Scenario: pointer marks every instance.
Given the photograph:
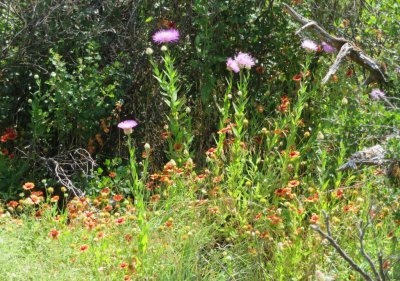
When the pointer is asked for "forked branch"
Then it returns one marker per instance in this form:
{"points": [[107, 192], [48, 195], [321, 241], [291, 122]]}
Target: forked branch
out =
{"points": [[328, 236], [346, 49]]}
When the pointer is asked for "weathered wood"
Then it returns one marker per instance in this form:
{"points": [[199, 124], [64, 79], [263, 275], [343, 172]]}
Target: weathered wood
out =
{"points": [[377, 73]]}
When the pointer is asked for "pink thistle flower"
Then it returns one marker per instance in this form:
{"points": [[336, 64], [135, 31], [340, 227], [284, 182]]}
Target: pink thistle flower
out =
{"points": [[309, 45], [328, 48], [244, 60], [377, 94], [127, 126], [166, 36], [232, 65]]}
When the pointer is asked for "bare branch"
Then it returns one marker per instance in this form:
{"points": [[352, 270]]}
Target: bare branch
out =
{"points": [[65, 166], [307, 25], [381, 269], [343, 53], [342, 253], [361, 233], [355, 53]]}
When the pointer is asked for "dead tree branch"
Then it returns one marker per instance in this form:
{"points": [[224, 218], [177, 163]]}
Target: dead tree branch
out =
{"points": [[346, 47], [64, 166], [342, 253], [361, 234]]}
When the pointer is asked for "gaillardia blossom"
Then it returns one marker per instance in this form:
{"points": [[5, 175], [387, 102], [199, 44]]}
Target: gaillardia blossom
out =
{"points": [[127, 126], [166, 36], [328, 48], [244, 60], [309, 45]]}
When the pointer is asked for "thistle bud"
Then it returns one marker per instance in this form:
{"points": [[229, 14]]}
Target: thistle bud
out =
{"points": [[149, 51]]}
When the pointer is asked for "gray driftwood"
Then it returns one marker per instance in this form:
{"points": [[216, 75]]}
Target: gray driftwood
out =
{"points": [[346, 49]]}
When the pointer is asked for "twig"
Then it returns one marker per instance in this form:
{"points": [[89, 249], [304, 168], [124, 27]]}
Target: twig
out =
{"points": [[381, 269], [337, 247], [361, 233], [65, 165], [343, 53]]}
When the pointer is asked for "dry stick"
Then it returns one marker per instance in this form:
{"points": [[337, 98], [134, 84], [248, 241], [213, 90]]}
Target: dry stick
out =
{"points": [[65, 165], [355, 53], [343, 53], [361, 232], [342, 253], [381, 270]]}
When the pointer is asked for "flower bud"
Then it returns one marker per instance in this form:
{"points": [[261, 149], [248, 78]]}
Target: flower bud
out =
{"points": [[149, 51], [345, 101], [147, 146], [164, 48]]}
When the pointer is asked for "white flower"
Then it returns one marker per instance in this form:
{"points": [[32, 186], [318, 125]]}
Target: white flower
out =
{"points": [[149, 51]]}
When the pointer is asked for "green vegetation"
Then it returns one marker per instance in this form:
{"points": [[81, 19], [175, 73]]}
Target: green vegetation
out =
{"points": [[212, 154]]}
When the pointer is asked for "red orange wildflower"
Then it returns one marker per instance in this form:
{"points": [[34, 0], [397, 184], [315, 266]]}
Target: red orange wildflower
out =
{"points": [[314, 219], [118, 197], [9, 135], [284, 106], [12, 204], [120, 221], [28, 186], [55, 198], [293, 183], [274, 219], [312, 199], [294, 154], [54, 233], [123, 265], [83, 248]]}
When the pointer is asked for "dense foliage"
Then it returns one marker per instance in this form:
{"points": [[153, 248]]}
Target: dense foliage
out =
{"points": [[227, 171]]}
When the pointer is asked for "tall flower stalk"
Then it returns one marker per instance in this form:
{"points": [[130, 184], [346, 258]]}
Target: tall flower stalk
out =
{"points": [[241, 64], [137, 186], [178, 131]]}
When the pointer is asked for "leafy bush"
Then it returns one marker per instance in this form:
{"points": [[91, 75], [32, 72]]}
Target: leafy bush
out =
{"points": [[71, 107]]}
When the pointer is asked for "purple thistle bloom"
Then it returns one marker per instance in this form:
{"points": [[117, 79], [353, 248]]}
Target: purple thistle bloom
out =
{"points": [[328, 48], [232, 65], [166, 36], [127, 126], [377, 94], [309, 45], [244, 60]]}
